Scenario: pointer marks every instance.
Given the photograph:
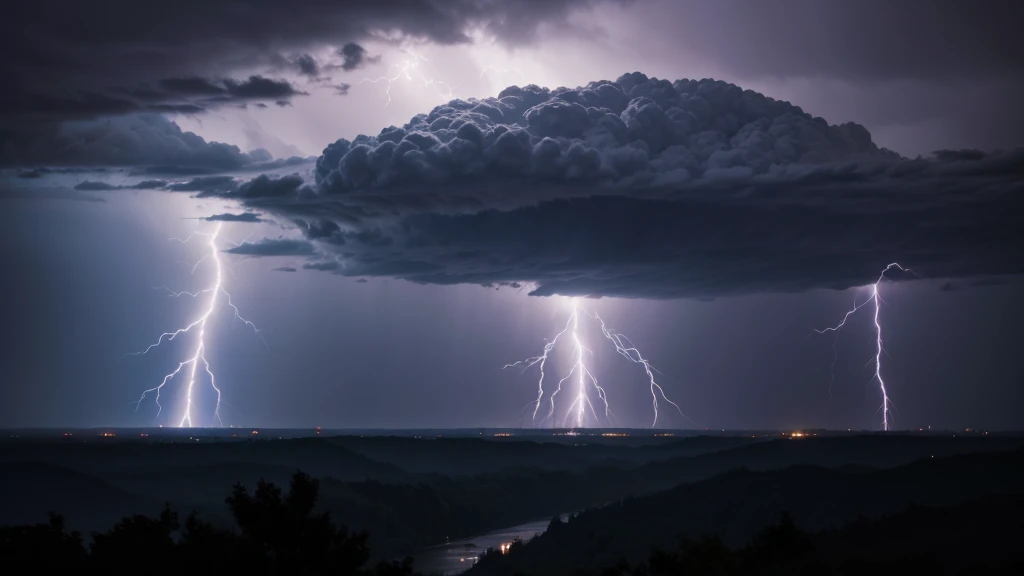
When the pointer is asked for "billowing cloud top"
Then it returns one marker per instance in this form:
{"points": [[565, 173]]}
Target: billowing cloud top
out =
{"points": [[636, 131], [648, 188]]}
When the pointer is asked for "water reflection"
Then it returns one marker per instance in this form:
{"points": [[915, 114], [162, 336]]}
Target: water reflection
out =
{"points": [[459, 556]]}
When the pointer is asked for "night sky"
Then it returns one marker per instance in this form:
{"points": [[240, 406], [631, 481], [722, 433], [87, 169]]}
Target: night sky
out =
{"points": [[410, 193]]}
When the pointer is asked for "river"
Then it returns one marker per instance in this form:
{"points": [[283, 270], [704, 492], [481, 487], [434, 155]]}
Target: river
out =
{"points": [[459, 556]]}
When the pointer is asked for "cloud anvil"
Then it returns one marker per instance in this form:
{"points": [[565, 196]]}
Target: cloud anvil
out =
{"points": [[647, 188]]}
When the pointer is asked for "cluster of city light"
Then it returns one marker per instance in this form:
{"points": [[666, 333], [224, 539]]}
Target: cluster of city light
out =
{"points": [[197, 356], [585, 382]]}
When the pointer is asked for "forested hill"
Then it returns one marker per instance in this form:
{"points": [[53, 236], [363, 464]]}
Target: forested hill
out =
{"points": [[736, 505]]}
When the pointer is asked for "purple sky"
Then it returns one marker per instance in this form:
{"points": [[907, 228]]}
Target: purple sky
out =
{"points": [[723, 302]]}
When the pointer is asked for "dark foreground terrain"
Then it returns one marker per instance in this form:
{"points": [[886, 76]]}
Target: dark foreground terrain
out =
{"points": [[707, 504]]}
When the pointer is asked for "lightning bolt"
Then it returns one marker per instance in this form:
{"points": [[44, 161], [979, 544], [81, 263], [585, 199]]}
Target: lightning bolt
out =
{"points": [[627, 350], [409, 68], [198, 355], [877, 301], [583, 377], [582, 405]]}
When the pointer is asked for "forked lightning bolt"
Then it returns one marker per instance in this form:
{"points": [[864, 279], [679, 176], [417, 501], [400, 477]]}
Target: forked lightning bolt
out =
{"points": [[627, 350], [585, 380], [876, 300], [198, 354], [583, 377], [406, 70]]}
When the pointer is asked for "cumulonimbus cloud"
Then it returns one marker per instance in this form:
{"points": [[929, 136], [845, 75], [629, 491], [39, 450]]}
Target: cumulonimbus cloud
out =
{"points": [[648, 188]]}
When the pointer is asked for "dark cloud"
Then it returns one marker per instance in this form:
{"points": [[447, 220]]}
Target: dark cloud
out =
{"points": [[260, 88], [327, 266], [208, 92], [114, 57], [274, 247], [649, 188], [341, 89], [137, 140], [204, 184], [187, 96], [355, 56], [265, 187], [284, 269], [149, 185], [244, 217], [260, 155], [194, 86], [65, 64], [308, 66], [92, 186]]}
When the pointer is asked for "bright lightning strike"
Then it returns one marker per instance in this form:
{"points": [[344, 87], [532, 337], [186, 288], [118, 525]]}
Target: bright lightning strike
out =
{"points": [[198, 354], [585, 381], [876, 300], [409, 70], [627, 350]]}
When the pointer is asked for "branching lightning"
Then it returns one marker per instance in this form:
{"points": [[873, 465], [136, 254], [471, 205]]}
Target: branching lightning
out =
{"points": [[585, 381], [627, 350], [410, 70], [198, 353], [876, 300]]}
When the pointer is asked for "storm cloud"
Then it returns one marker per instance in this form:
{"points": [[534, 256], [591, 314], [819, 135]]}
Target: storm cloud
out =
{"points": [[274, 247], [649, 188], [136, 140], [227, 217], [354, 56], [115, 56]]}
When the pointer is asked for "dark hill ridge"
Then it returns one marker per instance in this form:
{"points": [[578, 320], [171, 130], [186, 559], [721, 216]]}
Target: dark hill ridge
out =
{"points": [[468, 456], [30, 490], [403, 510], [737, 504], [964, 539], [872, 451], [118, 460]]}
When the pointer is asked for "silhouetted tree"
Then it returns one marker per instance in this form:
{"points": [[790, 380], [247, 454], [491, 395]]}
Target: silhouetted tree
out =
{"points": [[275, 534], [776, 546], [45, 547], [218, 550], [138, 543], [286, 535]]}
